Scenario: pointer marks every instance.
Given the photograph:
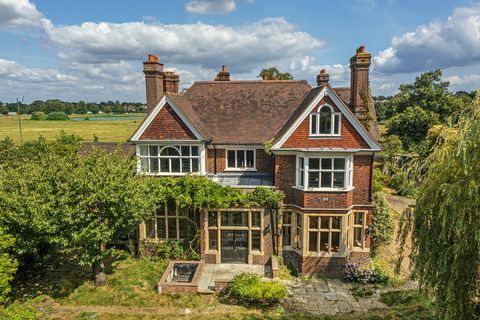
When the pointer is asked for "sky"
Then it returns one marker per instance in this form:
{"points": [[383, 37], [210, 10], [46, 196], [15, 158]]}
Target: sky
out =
{"points": [[93, 50]]}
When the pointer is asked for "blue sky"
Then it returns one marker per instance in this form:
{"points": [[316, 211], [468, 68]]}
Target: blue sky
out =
{"points": [[92, 50]]}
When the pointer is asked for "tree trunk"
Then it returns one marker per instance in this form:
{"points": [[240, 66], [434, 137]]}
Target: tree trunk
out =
{"points": [[100, 278]]}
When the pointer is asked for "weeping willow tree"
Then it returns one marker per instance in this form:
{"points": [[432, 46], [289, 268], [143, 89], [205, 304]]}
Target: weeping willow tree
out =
{"points": [[446, 221]]}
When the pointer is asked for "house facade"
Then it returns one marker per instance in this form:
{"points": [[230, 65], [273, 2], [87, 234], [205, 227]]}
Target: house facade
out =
{"points": [[321, 153]]}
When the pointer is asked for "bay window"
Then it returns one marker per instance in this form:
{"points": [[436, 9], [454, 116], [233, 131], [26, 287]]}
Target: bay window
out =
{"points": [[169, 159], [324, 173], [325, 122], [324, 234], [359, 228], [241, 159]]}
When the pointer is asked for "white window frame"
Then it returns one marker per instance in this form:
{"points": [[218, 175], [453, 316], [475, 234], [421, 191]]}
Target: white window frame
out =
{"points": [[348, 172], [177, 146], [333, 116], [236, 167]]}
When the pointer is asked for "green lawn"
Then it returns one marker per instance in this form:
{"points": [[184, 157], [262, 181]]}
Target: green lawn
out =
{"points": [[106, 130]]}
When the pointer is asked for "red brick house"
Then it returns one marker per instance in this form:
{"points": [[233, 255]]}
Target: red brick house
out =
{"points": [[321, 158]]}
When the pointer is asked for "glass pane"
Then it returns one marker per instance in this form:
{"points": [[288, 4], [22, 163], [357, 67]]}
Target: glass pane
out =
{"points": [[314, 124], [339, 179], [172, 228], [335, 241], [324, 222], [143, 150], [339, 163], [313, 179], [171, 208], [144, 165], [175, 164], [256, 240], [336, 125], [169, 151], [231, 158], [150, 226], [313, 163], [195, 165], [358, 218], [313, 222], [153, 151], [302, 178], [185, 151], [312, 241], [324, 241], [325, 120], [234, 218], [336, 222], [357, 237], [161, 228], [182, 228], [326, 164], [302, 161], [299, 220], [240, 159], [164, 165], [287, 217], [326, 179], [286, 236], [153, 165], [250, 158], [186, 165], [212, 218], [255, 219], [183, 211], [194, 151], [212, 240]]}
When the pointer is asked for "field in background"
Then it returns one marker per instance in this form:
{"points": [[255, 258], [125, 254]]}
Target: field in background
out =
{"points": [[117, 128]]}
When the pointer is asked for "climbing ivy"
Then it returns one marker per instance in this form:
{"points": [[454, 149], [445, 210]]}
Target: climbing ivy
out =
{"points": [[366, 117]]}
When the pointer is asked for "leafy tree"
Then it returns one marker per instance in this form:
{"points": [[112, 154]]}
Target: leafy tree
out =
{"points": [[8, 265], [57, 116], [54, 105], [446, 232], [3, 110], [383, 225], [428, 92], [38, 115], [384, 109], [412, 125], [108, 109], [273, 73], [392, 146]]}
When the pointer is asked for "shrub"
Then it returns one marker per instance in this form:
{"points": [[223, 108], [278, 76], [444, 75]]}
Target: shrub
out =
{"points": [[403, 184], [173, 250], [249, 289], [57, 116], [39, 115], [380, 180], [377, 274], [383, 225]]}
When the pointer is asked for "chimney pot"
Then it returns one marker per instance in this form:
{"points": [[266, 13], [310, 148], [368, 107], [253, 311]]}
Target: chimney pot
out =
{"points": [[223, 75], [323, 78], [361, 49], [152, 58]]}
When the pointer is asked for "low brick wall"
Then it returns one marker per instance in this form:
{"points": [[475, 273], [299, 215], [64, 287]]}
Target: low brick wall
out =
{"points": [[291, 257], [327, 266], [221, 286]]}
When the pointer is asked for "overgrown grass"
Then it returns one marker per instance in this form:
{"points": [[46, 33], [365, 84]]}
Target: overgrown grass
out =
{"points": [[106, 131]]}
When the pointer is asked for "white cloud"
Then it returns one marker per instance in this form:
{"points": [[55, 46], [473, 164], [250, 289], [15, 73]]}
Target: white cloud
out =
{"points": [[244, 47], [20, 13], [15, 71], [455, 42], [306, 66], [210, 6]]}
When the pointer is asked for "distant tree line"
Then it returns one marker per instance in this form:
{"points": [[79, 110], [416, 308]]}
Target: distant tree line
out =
{"points": [[80, 107]]}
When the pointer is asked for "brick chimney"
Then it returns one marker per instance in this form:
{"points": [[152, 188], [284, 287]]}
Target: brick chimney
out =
{"points": [[170, 82], [322, 78], [153, 71], [223, 75], [359, 66]]}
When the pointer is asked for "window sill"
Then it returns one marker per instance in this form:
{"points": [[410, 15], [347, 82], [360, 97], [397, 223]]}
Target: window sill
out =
{"points": [[240, 170], [326, 254], [324, 136], [211, 251], [356, 249], [170, 174], [333, 190], [256, 253]]}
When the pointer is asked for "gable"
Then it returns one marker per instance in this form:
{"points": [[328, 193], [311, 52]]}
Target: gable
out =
{"points": [[296, 132], [349, 138], [166, 122], [167, 125]]}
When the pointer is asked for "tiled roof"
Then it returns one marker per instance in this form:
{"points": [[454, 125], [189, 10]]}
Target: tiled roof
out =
{"points": [[257, 109], [343, 93]]}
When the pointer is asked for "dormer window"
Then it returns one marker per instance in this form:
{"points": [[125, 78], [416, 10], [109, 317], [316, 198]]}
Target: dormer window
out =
{"points": [[325, 122]]}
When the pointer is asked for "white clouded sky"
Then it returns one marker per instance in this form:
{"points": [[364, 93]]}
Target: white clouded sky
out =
{"points": [[52, 52]]}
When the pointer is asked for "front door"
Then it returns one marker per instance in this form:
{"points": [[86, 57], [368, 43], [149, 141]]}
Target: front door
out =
{"points": [[234, 246]]}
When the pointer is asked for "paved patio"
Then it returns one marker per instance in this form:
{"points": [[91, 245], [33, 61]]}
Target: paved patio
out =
{"points": [[326, 297], [224, 272]]}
